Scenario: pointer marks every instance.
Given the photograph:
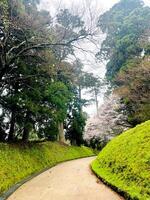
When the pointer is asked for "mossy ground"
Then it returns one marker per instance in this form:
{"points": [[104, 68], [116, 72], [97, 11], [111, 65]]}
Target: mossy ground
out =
{"points": [[18, 161], [125, 162]]}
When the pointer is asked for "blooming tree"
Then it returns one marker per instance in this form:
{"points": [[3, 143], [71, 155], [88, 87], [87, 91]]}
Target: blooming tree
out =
{"points": [[111, 121]]}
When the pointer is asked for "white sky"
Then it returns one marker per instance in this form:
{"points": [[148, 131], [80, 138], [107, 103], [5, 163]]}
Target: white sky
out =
{"points": [[51, 5], [98, 7]]}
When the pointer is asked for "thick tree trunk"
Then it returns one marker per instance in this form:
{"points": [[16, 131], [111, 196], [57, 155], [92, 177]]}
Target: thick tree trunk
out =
{"points": [[12, 128], [2, 135], [26, 132], [61, 136], [73, 142]]}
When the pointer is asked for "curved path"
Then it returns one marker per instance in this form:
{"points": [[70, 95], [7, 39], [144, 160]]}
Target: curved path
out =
{"points": [[71, 180]]}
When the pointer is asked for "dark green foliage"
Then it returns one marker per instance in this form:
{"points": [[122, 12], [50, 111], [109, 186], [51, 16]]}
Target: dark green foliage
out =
{"points": [[97, 143], [125, 23], [134, 86], [75, 128], [147, 50]]}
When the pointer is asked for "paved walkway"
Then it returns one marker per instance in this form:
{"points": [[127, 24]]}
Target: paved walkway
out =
{"points": [[71, 180]]}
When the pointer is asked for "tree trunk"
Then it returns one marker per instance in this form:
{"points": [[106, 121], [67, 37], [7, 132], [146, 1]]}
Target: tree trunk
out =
{"points": [[26, 133], [80, 97], [2, 135], [73, 142], [12, 127], [27, 128], [61, 136], [96, 102]]}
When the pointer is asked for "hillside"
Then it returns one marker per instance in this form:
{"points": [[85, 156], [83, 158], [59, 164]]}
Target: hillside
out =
{"points": [[125, 162], [18, 161]]}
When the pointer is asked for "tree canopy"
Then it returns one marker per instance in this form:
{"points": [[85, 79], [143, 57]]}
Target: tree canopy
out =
{"points": [[125, 24]]}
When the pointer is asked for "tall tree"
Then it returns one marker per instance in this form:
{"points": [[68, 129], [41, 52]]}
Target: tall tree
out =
{"points": [[124, 24], [126, 48], [32, 84]]}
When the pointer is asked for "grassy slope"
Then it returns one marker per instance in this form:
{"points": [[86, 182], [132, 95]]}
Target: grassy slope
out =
{"points": [[125, 162], [20, 161]]}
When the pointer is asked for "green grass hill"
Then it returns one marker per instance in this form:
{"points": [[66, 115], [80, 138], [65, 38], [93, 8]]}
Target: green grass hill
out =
{"points": [[18, 161], [125, 163]]}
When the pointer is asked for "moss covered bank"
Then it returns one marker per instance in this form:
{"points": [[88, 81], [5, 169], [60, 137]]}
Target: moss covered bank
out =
{"points": [[125, 163], [18, 161]]}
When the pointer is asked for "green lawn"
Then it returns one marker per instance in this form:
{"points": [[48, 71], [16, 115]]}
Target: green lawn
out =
{"points": [[18, 161], [125, 162]]}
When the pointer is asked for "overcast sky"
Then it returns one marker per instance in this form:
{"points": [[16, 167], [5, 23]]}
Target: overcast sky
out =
{"points": [[97, 7], [51, 5]]}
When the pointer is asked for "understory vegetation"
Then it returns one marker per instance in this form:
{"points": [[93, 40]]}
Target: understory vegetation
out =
{"points": [[125, 162], [19, 161]]}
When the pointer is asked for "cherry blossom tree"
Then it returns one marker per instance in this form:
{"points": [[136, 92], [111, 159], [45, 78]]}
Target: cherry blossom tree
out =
{"points": [[112, 120]]}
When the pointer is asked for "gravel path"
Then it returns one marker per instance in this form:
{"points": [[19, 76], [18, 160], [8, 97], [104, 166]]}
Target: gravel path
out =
{"points": [[71, 180]]}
